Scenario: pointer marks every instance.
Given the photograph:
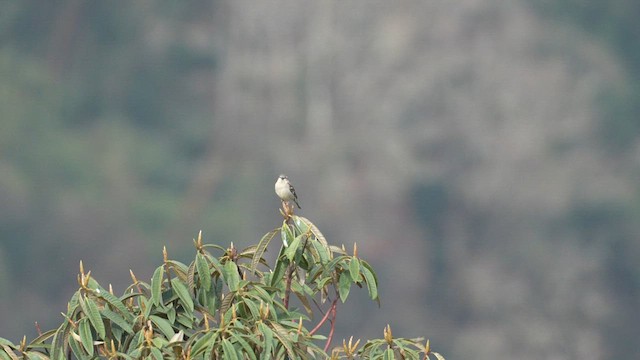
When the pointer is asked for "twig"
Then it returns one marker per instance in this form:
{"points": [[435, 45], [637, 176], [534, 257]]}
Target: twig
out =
{"points": [[333, 327], [326, 316], [38, 329]]}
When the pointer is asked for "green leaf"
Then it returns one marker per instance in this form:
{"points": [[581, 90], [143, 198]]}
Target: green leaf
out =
{"points": [[77, 349], [371, 279], [282, 335], [85, 335], [156, 286], [58, 347], [39, 340], [278, 271], [187, 320], [116, 303], [290, 252], [191, 277], [253, 308], [229, 351], [245, 346], [268, 341], [136, 341], [157, 354], [231, 276], [145, 304], [35, 355], [9, 352], [389, 355], [91, 310], [344, 286], [214, 246], [163, 325], [315, 231], [322, 282], [262, 248], [323, 254], [226, 302], [179, 268], [200, 344], [331, 265], [118, 320], [438, 356], [286, 234], [203, 271], [171, 315], [299, 292], [183, 294], [354, 269]]}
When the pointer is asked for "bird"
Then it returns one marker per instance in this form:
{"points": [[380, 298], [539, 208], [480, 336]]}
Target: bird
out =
{"points": [[285, 190]]}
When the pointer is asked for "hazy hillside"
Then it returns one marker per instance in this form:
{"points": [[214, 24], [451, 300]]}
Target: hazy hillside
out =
{"points": [[483, 155]]}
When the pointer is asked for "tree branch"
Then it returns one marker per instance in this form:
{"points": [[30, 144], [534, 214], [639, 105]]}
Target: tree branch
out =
{"points": [[326, 316], [333, 325]]}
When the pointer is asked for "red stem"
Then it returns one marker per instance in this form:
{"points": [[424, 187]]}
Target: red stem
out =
{"points": [[326, 316], [333, 327]]}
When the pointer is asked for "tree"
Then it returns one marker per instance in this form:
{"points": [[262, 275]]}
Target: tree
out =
{"points": [[224, 307]]}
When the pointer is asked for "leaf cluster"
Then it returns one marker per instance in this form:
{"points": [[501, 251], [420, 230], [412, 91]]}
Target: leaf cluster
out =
{"points": [[225, 304]]}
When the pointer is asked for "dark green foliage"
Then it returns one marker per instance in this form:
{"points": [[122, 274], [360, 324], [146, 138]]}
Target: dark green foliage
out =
{"points": [[226, 304]]}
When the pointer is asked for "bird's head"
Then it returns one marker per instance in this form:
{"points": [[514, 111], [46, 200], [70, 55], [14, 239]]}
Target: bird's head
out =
{"points": [[282, 177]]}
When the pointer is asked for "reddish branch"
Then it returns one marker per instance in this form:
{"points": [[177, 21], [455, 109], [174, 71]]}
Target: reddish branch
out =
{"points": [[333, 325], [326, 316]]}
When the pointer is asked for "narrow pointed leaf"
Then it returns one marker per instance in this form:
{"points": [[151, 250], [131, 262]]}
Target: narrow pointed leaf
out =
{"points": [[344, 286], [229, 351], [322, 252], [163, 325], [203, 271], [299, 292], [91, 310], [115, 318], [262, 247], [156, 286], [116, 303], [282, 335], [191, 277], [76, 348], [200, 344], [85, 335], [316, 232], [231, 276], [248, 351], [286, 234], [371, 279], [438, 356], [11, 355], [354, 269], [280, 268], [227, 301], [183, 294], [268, 340], [388, 355], [157, 354], [290, 252], [58, 347]]}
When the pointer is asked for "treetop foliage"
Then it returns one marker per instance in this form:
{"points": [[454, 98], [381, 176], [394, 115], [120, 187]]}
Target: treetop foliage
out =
{"points": [[226, 304]]}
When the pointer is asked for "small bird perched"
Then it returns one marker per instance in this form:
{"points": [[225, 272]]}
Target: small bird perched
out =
{"points": [[285, 190]]}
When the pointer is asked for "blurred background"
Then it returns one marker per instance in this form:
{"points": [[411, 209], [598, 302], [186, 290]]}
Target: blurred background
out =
{"points": [[483, 154]]}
